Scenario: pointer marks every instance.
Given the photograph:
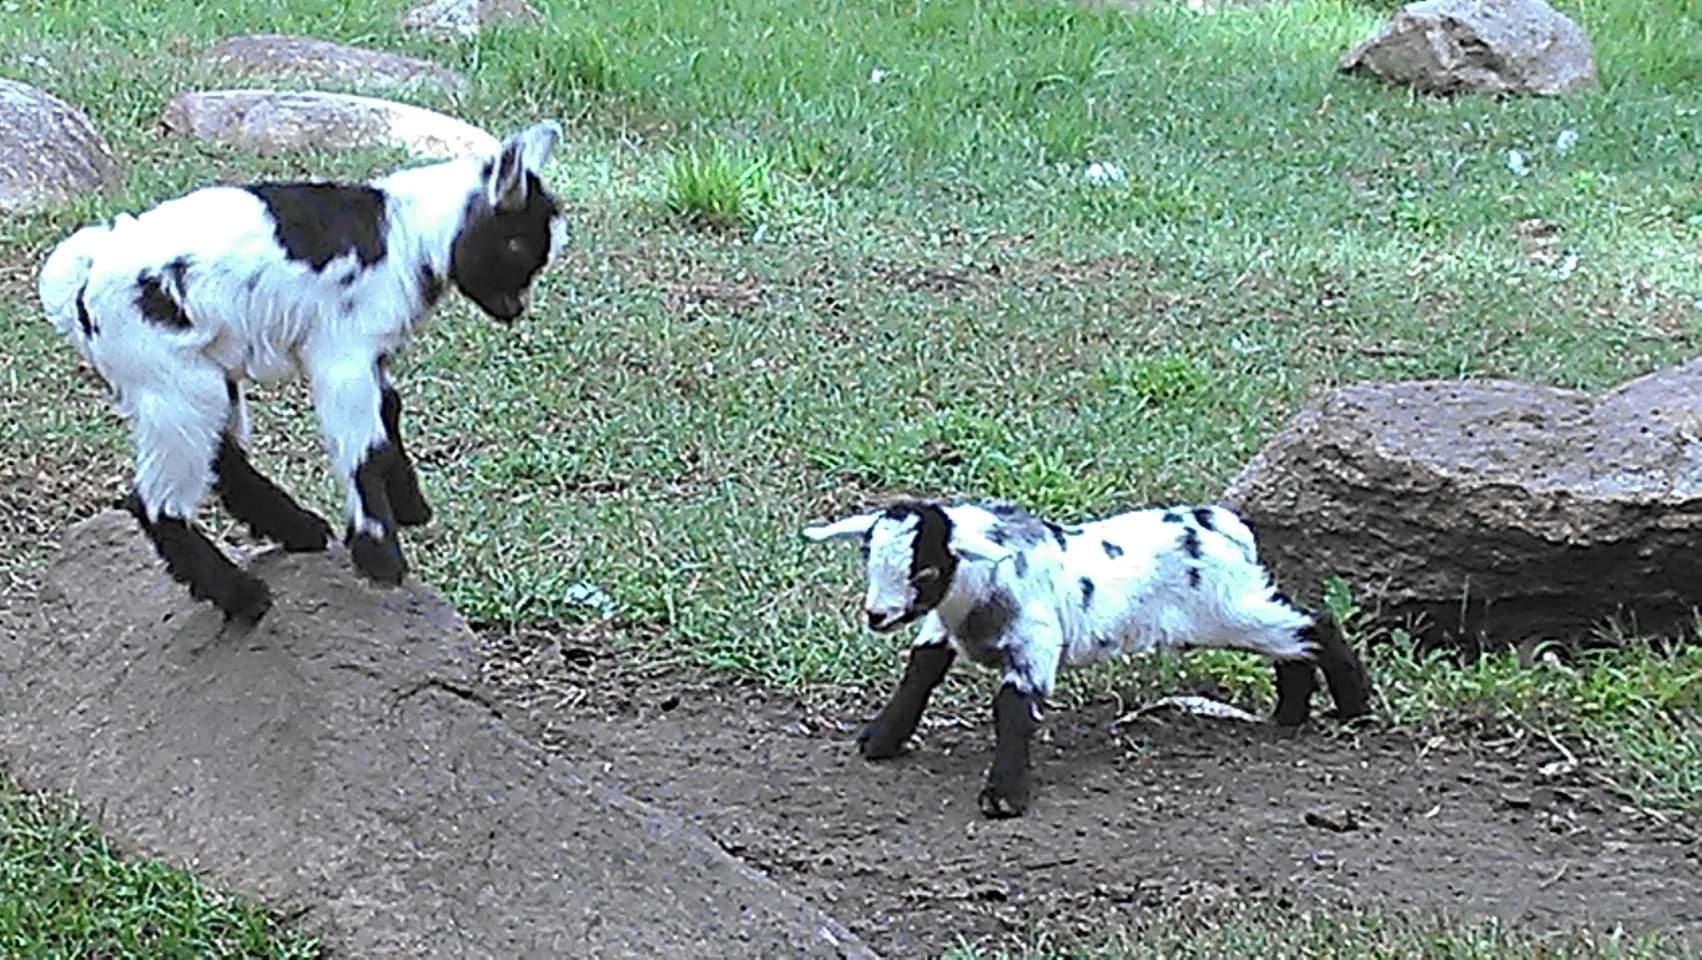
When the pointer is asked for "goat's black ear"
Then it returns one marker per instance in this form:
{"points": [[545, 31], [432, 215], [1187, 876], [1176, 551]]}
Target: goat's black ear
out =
{"points": [[505, 186]]}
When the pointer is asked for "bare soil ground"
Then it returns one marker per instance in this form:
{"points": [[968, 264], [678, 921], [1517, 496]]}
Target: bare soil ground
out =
{"points": [[1163, 810]]}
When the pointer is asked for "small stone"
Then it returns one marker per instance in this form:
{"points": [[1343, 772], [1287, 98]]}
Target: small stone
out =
{"points": [[1334, 822], [451, 19], [1483, 46]]}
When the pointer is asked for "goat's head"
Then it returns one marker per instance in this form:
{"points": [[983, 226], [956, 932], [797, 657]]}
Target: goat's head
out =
{"points": [[512, 226], [911, 550]]}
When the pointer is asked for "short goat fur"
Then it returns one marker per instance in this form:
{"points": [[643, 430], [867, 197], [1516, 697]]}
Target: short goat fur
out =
{"points": [[178, 306], [1029, 597]]}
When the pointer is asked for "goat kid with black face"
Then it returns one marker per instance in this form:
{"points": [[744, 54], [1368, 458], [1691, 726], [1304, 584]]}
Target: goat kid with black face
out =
{"points": [[179, 306], [1029, 597]]}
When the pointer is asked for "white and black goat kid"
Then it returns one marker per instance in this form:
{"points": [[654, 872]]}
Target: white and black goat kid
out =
{"points": [[180, 305], [1029, 597]]}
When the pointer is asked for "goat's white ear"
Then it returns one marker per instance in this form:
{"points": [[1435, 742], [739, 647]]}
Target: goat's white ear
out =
{"points": [[972, 544], [840, 529], [522, 153], [536, 144]]}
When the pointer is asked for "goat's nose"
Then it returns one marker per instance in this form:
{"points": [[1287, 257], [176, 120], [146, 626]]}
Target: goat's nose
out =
{"points": [[878, 619]]}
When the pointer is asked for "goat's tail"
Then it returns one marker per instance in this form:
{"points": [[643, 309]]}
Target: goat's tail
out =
{"points": [[63, 276]]}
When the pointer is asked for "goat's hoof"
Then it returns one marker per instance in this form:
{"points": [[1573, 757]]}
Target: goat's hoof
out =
{"points": [[309, 534], [1004, 801], [248, 599], [876, 744], [380, 561], [416, 513]]}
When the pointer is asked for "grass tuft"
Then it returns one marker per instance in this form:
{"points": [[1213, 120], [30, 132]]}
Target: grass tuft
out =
{"points": [[718, 186]]}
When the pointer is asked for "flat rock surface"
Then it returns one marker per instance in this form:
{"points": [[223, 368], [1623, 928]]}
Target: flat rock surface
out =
{"points": [[1516, 510], [49, 151], [341, 760], [311, 60], [268, 121]]}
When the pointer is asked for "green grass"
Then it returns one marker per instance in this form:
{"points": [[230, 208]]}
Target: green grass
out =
{"points": [[911, 286], [64, 893]]}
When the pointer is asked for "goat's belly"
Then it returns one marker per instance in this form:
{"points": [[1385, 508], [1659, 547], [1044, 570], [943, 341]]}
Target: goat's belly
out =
{"points": [[1109, 646]]}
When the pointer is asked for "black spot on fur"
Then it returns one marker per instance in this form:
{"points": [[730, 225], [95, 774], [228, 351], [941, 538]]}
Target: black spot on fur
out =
{"points": [[251, 282], [1058, 535], [177, 271], [431, 286], [1020, 561], [318, 222], [1191, 543], [1282, 598], [930, 549], [1086, 593], [347, 280], [83, 318], [1194, 577], [1203, 517], [157, 304], [999, 535], [1111, 549], [987, 620], [496, 255], [1171, 516]]}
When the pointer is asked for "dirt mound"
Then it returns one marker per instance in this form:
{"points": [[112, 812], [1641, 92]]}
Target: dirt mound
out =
{"points": [[1162, 812], [340, 761]]}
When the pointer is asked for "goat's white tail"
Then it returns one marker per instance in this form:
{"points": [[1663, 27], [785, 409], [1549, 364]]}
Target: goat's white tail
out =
{"points": [[63, 276]]}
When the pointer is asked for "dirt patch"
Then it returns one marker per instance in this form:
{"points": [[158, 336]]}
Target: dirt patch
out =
{"points": [[1161, 811]]}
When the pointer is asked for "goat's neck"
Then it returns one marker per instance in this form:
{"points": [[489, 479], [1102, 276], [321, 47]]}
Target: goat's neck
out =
{"points": [[429, 206]]}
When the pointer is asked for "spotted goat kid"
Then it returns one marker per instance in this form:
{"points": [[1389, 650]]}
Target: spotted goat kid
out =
{"points": [[1027, 597], [178, 307]]}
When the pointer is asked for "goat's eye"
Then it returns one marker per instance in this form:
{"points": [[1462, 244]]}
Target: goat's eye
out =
{"points": [[517, 246]]}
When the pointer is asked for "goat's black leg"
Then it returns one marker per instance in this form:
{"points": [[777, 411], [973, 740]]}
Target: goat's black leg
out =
{"points": [[1350, 685], [376, 550], [1010, 783], [193, 560], [1295, 681], [885, 736], [268, 511], [401, 481]]}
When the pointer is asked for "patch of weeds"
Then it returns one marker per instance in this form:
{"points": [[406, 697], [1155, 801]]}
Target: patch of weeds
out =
{"points": [[64, 892], [718, 186], [1236, 933], [1154, 383], [1639, 703]]}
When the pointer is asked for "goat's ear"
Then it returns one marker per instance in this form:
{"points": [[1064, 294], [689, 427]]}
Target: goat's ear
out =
{"points": [[522, 153], [840, 529], [971, 544]]}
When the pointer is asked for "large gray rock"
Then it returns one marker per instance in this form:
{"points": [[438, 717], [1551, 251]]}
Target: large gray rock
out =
{"points": [[342, 761], [451, 19], [49, 151], [314, 61], [269, 121], [1511, 509], [1482, 46]]}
